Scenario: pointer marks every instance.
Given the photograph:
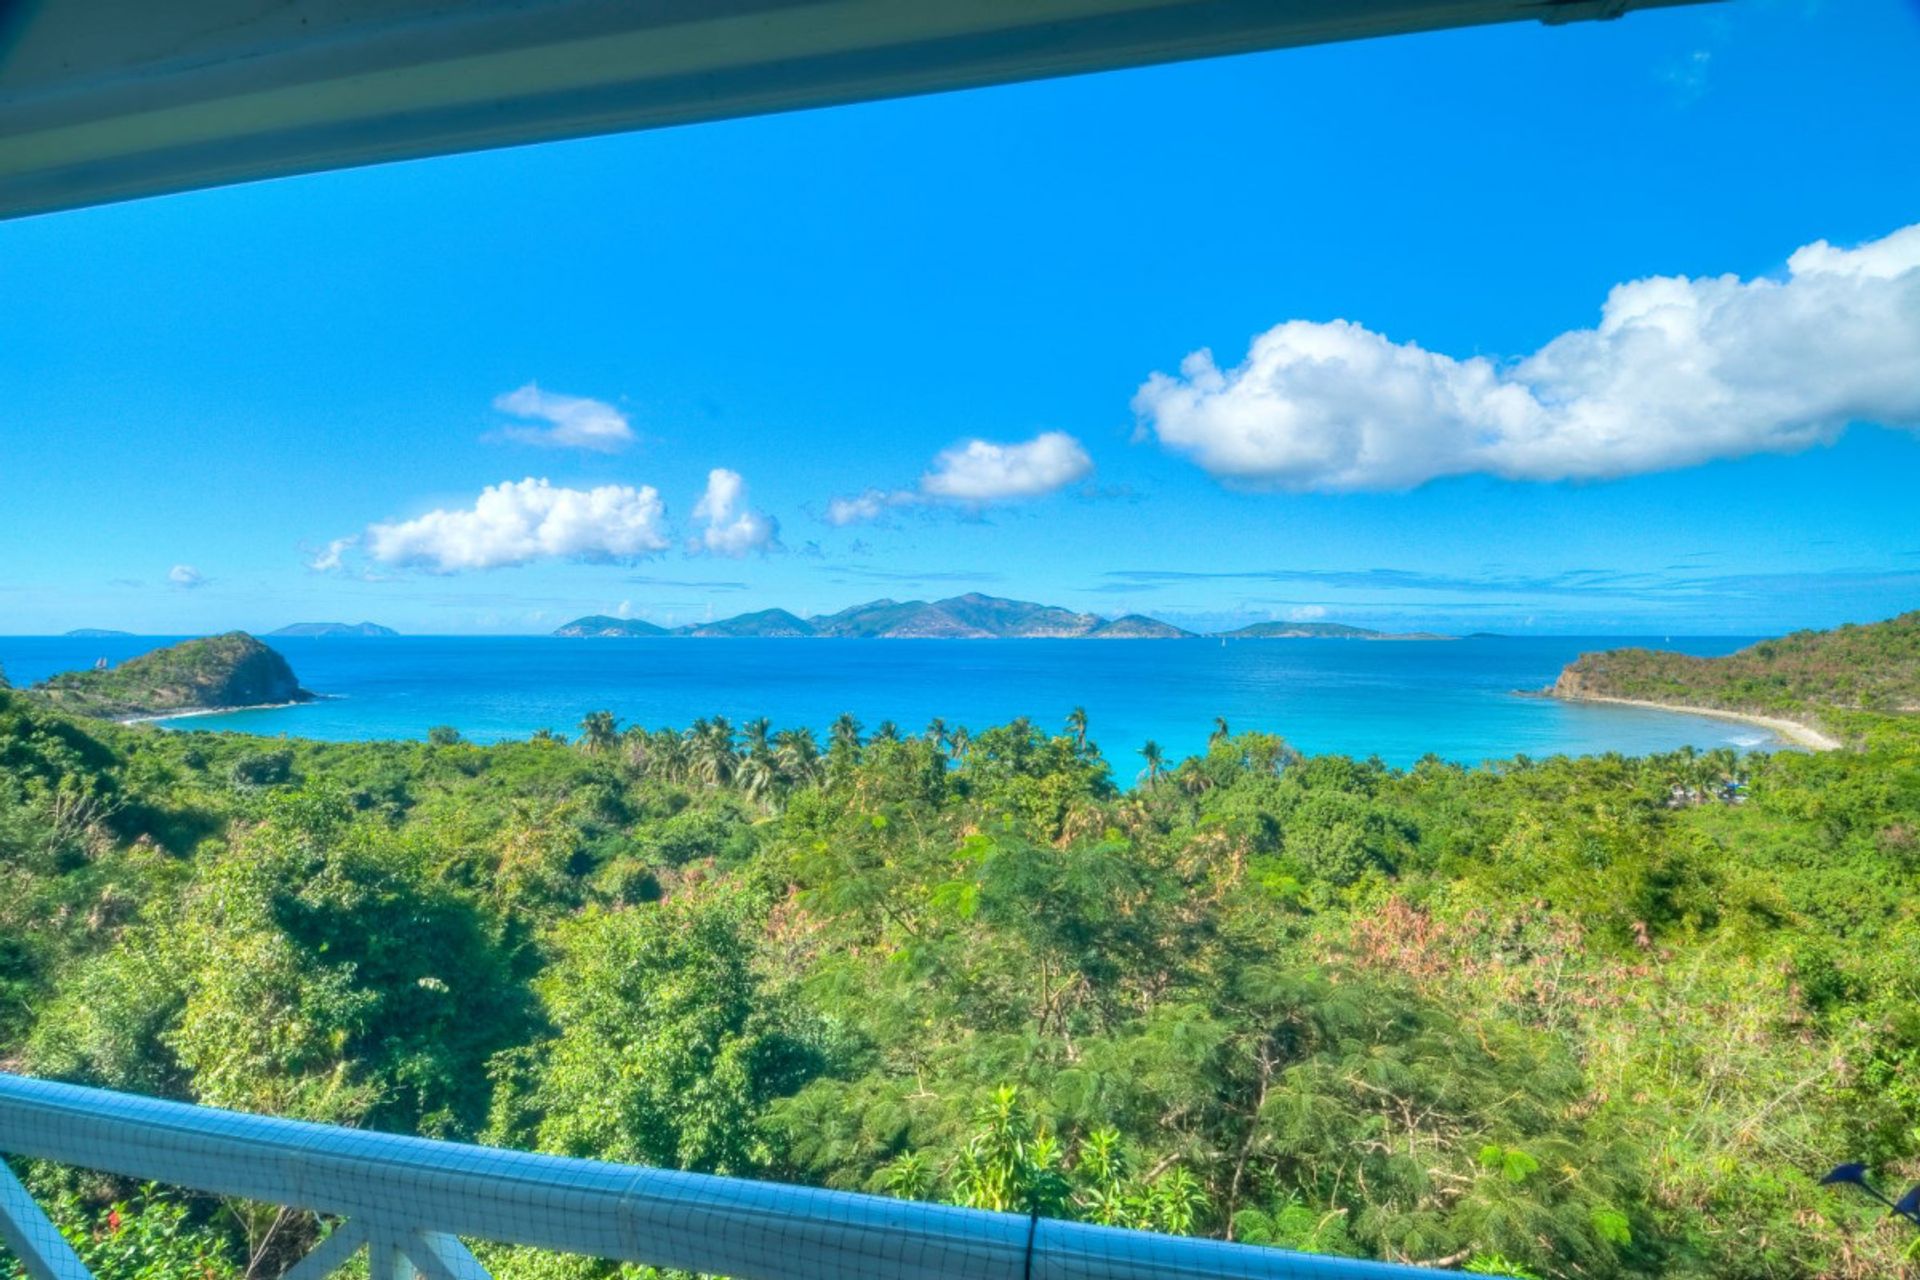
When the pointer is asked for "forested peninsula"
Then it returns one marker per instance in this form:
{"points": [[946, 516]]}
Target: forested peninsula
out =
{"points": [[217, 673], [1816, 680], [1538, 1018]]}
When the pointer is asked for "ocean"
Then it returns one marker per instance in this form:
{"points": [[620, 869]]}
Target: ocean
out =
{"points": [[1399, 700]]}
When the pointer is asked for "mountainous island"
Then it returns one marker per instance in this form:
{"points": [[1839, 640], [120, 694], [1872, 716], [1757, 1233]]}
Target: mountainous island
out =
{"points": [[217, 673], [1797, 682], [969, 617], [95, 633], [334, 629]]}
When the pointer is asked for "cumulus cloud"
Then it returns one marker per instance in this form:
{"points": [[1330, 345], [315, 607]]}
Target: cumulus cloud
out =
{"points": [[733, 528], [981, 471], [977, 473], [186, 577], [1680, 371], [532, 520], [572, 422]]}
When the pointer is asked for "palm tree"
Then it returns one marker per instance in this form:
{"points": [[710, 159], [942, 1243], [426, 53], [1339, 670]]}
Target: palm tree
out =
{"points": [[669, 754], [1220, 732], [712, 750], [636, 745], [886, 731], [713, 762], [757, 731], [757, 777], [957, 742], [846, 731], [1156, 762], [598, 732], [797, 755], [1077, 726], [937, 733]]}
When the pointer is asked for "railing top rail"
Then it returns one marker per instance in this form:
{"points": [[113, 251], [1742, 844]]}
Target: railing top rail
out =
{"points": [[730, 1226]]}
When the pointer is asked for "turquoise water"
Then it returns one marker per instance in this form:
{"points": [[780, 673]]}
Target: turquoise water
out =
{"points": [[1397, 700]]}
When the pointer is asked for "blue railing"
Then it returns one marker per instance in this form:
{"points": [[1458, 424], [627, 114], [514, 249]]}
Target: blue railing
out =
{"points": [[410, 1202]]}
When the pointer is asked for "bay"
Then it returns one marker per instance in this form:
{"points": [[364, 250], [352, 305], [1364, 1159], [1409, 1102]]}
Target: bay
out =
{"points": [[1399, 700]]}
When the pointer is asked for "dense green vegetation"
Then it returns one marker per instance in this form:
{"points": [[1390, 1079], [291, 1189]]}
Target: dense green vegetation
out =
{"points": [[1523, 1017], [1873, 667], [231, 670]]}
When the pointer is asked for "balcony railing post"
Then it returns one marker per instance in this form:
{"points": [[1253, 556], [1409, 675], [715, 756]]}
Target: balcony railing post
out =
{"points": [[439, 1256], [330, 1254], [386, 1261], [42, 1250]]}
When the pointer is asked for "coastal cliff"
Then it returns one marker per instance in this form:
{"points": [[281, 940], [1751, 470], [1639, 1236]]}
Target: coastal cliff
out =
{"points": [[217, 673]]}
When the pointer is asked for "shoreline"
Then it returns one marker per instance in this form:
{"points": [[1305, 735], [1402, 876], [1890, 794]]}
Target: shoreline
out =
{"points": [[1793, 731], [212, 711]]}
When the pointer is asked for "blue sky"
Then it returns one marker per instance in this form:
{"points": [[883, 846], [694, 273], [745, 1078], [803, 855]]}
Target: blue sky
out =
{"points": [[947, 313]]}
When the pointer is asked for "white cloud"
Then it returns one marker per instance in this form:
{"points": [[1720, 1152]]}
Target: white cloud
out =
{"points": [[733, 528], [870, 505], [1680, 371], [976, 473], [330, 559], [532, 520], [186, 577], [1307, 613], [573, 422], [981, 471]]}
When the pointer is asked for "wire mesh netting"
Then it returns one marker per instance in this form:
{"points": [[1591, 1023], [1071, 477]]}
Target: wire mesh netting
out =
{"points": [[409, 1201]]}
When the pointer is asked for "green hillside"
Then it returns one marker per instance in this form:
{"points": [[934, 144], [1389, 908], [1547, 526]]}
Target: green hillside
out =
{"points": [[1532, 1018], [231, 670], [766, 622], [1135, 626], [1871, 667]]}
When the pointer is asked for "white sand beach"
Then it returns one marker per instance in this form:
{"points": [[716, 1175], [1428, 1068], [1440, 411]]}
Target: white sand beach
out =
{"points": [[1792, 730]]}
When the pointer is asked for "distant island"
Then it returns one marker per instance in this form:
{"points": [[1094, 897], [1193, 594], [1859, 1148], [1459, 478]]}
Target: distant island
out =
{"points": [[218, 673], [1793, 684], [95, 633], [969, 617], [334, 629], [1321, 631], [600, 624]]}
